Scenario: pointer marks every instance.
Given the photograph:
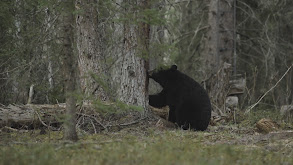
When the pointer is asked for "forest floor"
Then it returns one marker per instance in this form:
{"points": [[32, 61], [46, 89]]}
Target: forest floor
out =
{"points": [[145, 142]]}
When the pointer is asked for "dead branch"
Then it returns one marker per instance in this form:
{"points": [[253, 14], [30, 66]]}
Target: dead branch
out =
{"points": [[36, 116], [43, 123], [259, 100], [94, 118]]}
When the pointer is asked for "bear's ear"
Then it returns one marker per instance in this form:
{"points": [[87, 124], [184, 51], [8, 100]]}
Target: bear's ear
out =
{"points": [[174, 67]]}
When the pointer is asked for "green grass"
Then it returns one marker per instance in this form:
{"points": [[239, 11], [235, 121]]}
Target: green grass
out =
{"points": [[145, 147], [250, 119]]}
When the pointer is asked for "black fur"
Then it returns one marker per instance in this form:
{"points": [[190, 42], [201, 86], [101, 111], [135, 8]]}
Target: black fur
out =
{"points": [[189, 103]]}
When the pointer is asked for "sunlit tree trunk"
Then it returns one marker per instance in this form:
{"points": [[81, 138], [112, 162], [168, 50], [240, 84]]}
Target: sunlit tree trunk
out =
{"points": [[69, 67]]}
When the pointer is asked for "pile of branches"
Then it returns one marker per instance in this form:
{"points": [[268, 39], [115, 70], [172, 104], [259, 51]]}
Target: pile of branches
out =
{"points": [[52, 117]]}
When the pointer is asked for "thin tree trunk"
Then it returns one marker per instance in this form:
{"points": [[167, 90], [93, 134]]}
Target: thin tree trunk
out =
{"points": [[69, 68]]}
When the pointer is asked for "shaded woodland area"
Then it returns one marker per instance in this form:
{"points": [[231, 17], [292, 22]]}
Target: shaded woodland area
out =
{"points": [[79, 68]]}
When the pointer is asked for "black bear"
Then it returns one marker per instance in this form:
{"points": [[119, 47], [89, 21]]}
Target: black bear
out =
{"points": [[188, 101]]}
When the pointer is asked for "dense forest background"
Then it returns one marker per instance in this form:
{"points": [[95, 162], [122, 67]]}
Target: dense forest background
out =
{"points": [[74, 87], [117, 41]]}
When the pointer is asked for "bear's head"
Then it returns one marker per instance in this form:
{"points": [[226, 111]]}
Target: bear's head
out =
{"points": [[163, 74]]}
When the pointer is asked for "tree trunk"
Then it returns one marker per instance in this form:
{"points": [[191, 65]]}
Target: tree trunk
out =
{"points": [[132, 74], [218, 51], [131, 67], [89, 45], [69, 68], [219, 40], [127, 72]]}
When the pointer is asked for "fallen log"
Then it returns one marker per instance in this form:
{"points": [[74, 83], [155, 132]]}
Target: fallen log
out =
{"points": [[30, 115]]}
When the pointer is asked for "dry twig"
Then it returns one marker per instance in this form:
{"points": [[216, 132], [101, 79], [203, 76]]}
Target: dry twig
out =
{"points": [[43, 123]]}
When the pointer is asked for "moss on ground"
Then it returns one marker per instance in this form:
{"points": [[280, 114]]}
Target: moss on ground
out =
{"points": [[219, 145]]}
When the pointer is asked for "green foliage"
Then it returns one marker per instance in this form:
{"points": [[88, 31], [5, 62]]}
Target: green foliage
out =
{"points": [[102, 81], [259, 113], [114, 107], [163, 50], [151, 17], [137, 14], [29, 43], [7, 30], [6, 22]]}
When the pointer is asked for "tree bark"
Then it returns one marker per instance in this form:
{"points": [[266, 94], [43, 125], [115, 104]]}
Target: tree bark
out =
{"points": [[218, 51], [126, 75], [219, 39], [22, 116], [130, 70], [69, 68], [91, 59]]}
